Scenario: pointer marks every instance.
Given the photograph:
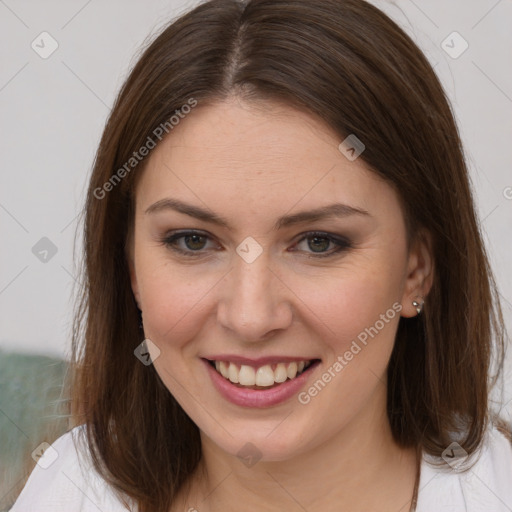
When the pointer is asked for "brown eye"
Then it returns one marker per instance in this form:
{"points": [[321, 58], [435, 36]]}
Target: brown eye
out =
{"points": [[188, 243], [320, 245], [195, 242]]}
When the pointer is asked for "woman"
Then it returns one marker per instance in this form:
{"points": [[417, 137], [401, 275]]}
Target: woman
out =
{"points": [[280, 209]]}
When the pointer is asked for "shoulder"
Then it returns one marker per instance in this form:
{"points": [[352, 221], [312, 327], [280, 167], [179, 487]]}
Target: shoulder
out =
{"points": [[486, 485], [64, 480]]}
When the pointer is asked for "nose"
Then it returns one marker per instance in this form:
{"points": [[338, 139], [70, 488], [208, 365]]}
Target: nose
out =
{"points": [[254, 302]]}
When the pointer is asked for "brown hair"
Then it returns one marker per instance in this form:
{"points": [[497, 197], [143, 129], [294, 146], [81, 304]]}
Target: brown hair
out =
{"points": [[348, 64]]}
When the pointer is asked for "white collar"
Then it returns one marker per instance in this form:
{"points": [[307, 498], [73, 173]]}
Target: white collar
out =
{"points": [[485, 487]]}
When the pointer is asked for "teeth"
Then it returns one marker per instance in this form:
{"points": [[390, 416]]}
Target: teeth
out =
{"points": [[233, 373], [264, 376], [224, 369], [246, 376], [292, 370], [280, 373]]}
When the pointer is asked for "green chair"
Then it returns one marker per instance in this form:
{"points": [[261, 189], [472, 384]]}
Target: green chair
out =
{"points": [[33, 409]]}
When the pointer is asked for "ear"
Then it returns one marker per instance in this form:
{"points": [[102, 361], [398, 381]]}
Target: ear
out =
{"points": [[130, 258], [420, 273]]}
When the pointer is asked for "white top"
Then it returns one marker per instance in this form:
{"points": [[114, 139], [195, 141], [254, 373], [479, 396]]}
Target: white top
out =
{"points": [[59, 483]]}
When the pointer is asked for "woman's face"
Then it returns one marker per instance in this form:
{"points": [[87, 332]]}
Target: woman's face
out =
{"points": [[297, 254]]}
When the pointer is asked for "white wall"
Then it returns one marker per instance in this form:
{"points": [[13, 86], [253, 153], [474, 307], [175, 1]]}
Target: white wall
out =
{"points": [[53, 111]]}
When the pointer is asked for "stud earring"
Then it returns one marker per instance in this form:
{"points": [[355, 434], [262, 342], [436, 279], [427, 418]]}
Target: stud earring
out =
{"points": [[418, 304]]}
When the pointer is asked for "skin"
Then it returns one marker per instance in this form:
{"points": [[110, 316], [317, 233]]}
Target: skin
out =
{"points": [[251, 164]]}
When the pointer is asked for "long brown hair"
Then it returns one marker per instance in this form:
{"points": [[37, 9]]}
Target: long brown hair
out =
{"points": [[347, 63]]}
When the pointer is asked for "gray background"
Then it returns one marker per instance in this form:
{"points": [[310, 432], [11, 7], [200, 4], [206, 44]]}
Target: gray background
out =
{"points": [[53, 111]]}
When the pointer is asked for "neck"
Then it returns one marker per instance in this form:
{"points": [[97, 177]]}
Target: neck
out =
{"points": [[360, 467]]}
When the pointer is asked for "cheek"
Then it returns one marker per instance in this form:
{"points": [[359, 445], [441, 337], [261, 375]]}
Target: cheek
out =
{"points": [[359, 316], [173, 299], [346, 307]]}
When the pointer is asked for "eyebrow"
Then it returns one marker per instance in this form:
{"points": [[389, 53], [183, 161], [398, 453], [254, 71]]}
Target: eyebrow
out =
{"points": [[338, 210]]}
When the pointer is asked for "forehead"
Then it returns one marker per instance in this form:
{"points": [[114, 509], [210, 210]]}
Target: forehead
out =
{"points": [[257, 157]]}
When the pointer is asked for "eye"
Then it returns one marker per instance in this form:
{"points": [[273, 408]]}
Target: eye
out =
{"points": [[189, 243], [319, 243], [316, 244]]}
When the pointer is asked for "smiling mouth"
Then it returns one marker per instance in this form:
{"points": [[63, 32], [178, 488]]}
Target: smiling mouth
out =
{"points": [[263, 377]]}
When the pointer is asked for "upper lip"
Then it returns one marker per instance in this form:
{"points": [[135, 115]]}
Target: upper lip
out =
{"points": [[257, 361]]}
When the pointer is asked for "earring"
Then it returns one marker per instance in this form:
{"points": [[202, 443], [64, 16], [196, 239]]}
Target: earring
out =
{"points": [[418, 305]]}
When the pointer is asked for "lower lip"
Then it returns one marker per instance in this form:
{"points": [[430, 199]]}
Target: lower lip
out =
{"points": [[257, 398]]}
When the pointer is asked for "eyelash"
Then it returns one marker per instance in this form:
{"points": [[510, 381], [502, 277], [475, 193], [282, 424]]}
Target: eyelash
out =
{"points": [[342, 244]]}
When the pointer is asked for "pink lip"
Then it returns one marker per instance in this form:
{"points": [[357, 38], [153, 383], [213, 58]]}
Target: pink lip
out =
{"points": [[254, 397]]}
